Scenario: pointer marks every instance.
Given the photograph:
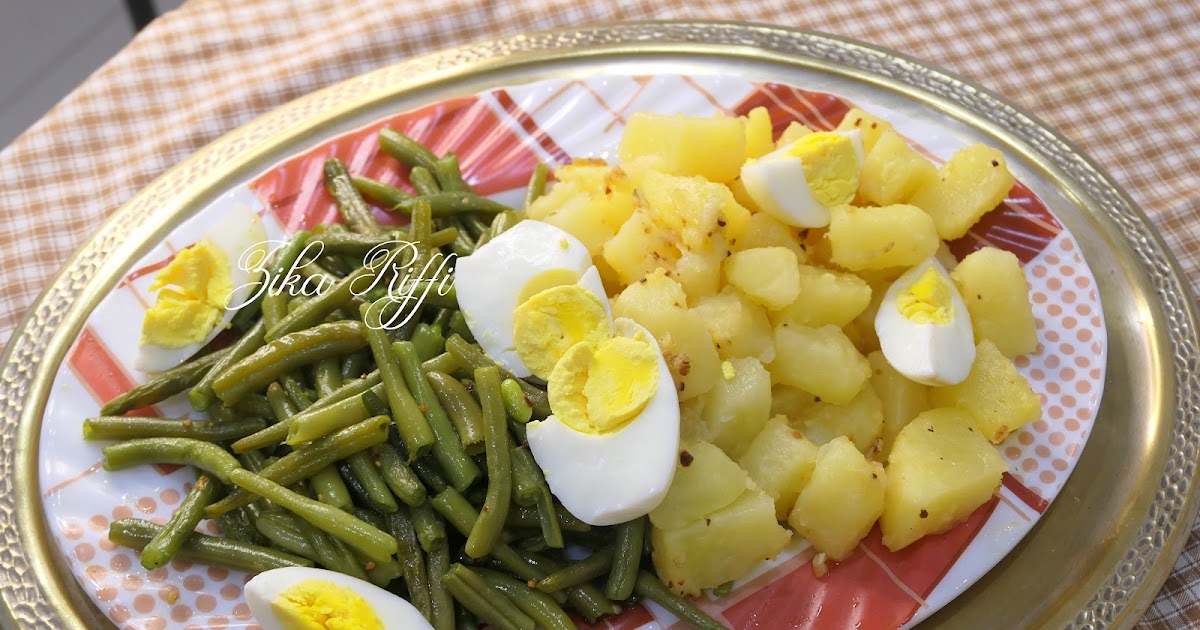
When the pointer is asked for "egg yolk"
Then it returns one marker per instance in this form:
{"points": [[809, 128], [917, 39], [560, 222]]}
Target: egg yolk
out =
{"points": [[830, 166], [321, 605], [199, 281], [551, 322], [927, 301], [595, 389]]}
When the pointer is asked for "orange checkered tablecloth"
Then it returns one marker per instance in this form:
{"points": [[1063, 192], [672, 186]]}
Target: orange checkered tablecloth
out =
{"points": [[1120, 78]]}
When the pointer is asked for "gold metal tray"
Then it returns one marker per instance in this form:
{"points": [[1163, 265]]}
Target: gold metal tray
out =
{"points": [[1097, 557]]}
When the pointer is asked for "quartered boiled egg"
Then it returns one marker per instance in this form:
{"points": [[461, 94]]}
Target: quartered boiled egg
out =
{"points": [[196, 288], [609, 449], [924, 328], [517, 265], [300, 598], [800, 182]]}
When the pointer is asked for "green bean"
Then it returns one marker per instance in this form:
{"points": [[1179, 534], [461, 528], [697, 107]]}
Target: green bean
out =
{"points": [[278, 357], [296, 392], [254, 461], [487, 528], [501, 222], [444, 362], [722, 590], [332, 556], [464, 620], [318, 308], [463, 244], [202, 395], [352, 387], [449, 174], [274, 308], [453, 202], [169, 539], [358, 492], [447, 449], [429, 474], [576, 573], [385, 195], [373, 543], [369, 515], [282, 407], [458, 326], [529, 517], [134, 427], [585, 598], [627, 557], [537, 184], [414, 429], [246, 316], [399, 477], [136, 534], [410, 152], [525, 488], [253, 405], [307, 460], [412, 561], [281, 530], [329, 489], [380, 496], [478, 227], [328, 376], [382, 574], [490, 604], [428, 341], [239, 526], [442, 602], [349, 202], [515, 402], [164, 385], [461, 407], [473, 358], [275, 298], [430, 531], [423, 182], [549, 517], [652, 589], [354, 366], [203, 455], [317, 423], [540, 607]]}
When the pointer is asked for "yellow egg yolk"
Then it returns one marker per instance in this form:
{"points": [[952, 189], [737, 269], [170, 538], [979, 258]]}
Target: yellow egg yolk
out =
{"points": [[552, 321], [320, 605], [830, 166], [595, 389], [927, 301], [200, 281]]}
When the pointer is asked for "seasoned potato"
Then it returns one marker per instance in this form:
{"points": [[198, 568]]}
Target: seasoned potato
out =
{"points": [[994, 288], [780, 461], [940, 470], [763, 230], [841, 501], [713, 148], [793, 132], [872, 127], [768, 275], [706, 480], [902, 400], [736, 408], [722, 546], [699, 272], [881, 238], [893, 171], [689, 208], [639, 248], [758, 133], [583, 217], [973, 182], [821, 361], [860, 420], [738, 325], [826, 297], [790, 401], [998, 397]]}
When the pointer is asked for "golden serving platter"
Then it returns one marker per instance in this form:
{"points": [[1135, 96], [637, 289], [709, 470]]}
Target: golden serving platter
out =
{"points": [[1095, 559]]}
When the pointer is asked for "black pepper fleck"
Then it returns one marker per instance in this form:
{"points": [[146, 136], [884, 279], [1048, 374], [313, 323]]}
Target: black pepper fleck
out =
{"points": [[995, 163], [924, 514], [685, 459]]}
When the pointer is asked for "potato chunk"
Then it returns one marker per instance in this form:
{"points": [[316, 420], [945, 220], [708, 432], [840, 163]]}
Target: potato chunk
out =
{"points": [[768, 275], [738, 325], [780, 460], [994, 288], [893, 171], [826, 297], [871, 126], [998, 397], [901, 398], [860, 420], [713, 148], [763, 230], [821, 361], [880, 238], [758, 133], [841, 501], [940, 470], [737, 407], [706, 480], [973, 182]]}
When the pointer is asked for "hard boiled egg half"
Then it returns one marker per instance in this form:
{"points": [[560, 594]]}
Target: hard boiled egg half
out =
{"points": [[924, 329], [196, 288], [799, 183], [300, 598]]}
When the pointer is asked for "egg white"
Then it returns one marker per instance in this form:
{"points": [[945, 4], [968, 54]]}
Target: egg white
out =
{"points": [[266, 587], [930, 354], [620, 475], [776, 182]]}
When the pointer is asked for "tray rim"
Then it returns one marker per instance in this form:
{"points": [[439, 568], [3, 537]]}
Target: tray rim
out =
{"points": [[29, 597]]}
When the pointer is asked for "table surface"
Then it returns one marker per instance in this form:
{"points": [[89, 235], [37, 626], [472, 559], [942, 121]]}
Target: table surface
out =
{"points": [[1120, 78]]}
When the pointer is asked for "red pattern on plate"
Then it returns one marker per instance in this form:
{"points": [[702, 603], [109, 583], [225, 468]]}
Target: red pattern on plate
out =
{"points": [[1027, 496], [816, 110]]}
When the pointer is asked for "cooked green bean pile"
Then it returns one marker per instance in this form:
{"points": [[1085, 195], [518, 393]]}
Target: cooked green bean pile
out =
{"points": [[394, 454]]}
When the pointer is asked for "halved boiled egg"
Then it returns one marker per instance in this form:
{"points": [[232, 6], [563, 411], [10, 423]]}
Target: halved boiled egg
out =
{"points": [[799, 183], [196, 289], [609, 450], [504, 274], [300, 598], [924, 328]]}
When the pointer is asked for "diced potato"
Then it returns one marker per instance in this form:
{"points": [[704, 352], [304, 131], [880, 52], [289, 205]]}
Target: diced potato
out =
{"points": [[735, 215], [994, 288], [841, 501], [759, 140], [881, 238], [790, 401], [691, 424], [739, 326], [821, 361], [583, 217], [998, 397], [780, 461], [860, 420], [763, 230], [826, 297], [872, 127], [893, 171], [940, 470], [699, 272], [736, 408], [973, 182], [706, 480], [688, 207], [713, 148], [793, 132], [767, 275], [902, 400], [639, 248]]}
